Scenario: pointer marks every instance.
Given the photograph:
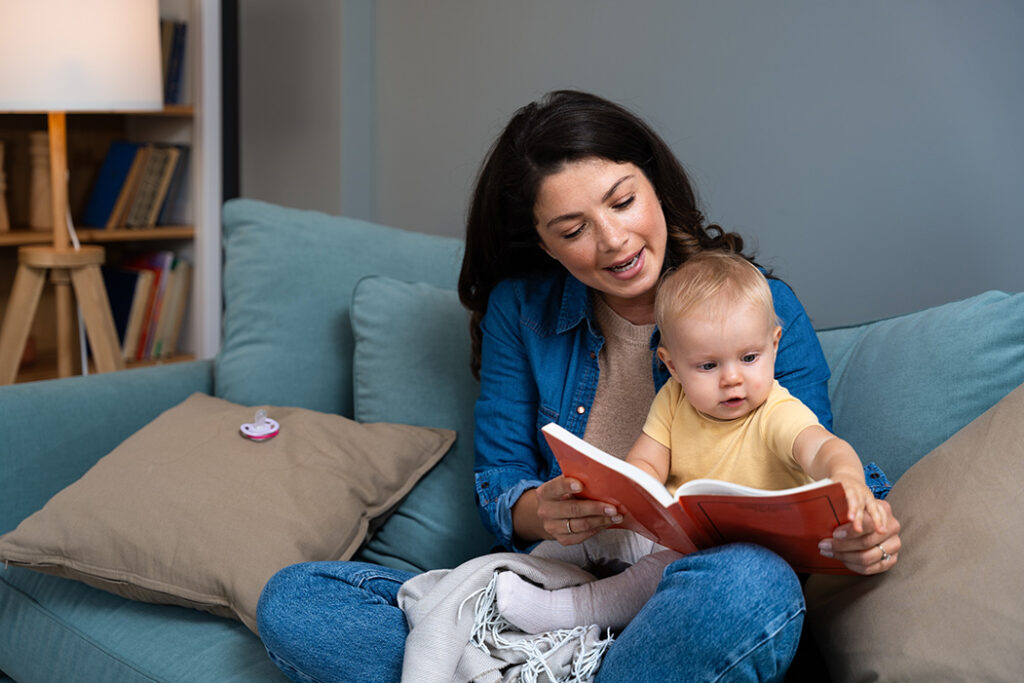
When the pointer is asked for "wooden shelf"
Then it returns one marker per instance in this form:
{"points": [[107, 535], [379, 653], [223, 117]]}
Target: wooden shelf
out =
{"points": [[185, 110], [17, 238], [196, 239]]}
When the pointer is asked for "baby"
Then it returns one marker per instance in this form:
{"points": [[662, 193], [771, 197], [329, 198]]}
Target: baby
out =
{"points": [[721, 415]]}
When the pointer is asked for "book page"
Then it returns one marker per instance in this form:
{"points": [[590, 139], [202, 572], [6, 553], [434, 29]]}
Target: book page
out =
{"points": [[726, 488]]}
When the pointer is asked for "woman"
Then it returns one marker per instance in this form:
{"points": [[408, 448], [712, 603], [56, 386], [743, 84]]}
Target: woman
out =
{"points": [[578, 210]]}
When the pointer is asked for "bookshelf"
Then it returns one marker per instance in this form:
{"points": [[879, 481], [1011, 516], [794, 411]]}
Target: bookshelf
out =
{"points": [[194, 122]]}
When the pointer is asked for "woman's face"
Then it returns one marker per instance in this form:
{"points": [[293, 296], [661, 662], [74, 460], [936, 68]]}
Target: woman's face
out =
{"points": [[603, 222]]}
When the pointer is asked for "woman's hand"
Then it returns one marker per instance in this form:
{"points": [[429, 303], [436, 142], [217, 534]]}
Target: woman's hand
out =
{"points": [[553, 512], [869, 551]]}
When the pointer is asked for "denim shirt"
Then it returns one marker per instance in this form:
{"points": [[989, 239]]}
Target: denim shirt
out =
{"points": [[539, 365]]}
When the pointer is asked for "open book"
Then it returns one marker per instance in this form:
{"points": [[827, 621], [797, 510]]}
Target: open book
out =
{"points": [[707, 512]]}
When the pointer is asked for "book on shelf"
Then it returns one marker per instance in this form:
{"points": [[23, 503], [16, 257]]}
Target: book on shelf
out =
{"points": [[154, 183], [137, 314], [172, 47], [168, 327], [142, 192], [706, 512], [109, 180], [163, 185], [145, 193], [174, 210], [159, 263], [125, 196]]}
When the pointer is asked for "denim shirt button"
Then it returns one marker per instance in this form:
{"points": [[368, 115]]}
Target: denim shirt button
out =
{"points": [[593, 355], [581, 409]]}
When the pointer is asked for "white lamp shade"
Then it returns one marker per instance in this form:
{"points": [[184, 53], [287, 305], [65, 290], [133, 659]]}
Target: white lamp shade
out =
{"points": [[80, 55]]}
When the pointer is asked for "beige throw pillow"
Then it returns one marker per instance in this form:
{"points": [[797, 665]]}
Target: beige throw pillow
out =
{"points": [[953, 608], [189, 512]]}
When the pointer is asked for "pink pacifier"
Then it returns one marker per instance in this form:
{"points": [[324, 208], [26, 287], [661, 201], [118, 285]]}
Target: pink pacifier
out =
{"points": [[261, 428]]}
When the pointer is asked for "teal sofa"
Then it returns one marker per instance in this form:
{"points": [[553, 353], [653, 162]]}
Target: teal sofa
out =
{"points": [[347, 317]]}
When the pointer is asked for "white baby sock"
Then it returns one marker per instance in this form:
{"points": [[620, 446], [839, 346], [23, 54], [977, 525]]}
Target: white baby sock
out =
{"points": [[609, 603]]}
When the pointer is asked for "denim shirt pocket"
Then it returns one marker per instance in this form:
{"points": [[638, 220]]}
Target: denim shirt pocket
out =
{"points": [[546, 414]]}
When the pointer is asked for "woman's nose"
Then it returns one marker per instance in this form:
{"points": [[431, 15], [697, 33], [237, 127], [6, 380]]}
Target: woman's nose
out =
{"points": [[611, 236]]}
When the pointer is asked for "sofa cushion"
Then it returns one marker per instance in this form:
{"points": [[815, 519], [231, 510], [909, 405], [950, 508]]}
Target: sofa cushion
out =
{"points": [[187, 511], [56, 629], [902, 386], [412, 366], [951, 609], [288, 280]]}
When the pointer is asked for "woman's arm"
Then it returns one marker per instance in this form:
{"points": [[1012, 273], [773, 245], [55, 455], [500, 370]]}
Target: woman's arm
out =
{"points": [[800, 364], [507, 461], [519, 498]]}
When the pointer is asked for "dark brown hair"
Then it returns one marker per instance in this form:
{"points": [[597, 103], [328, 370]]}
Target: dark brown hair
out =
{"points": [[562, 127]]}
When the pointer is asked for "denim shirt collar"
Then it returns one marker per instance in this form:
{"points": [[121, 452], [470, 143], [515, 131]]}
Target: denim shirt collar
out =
{"points": [[577, 307]]}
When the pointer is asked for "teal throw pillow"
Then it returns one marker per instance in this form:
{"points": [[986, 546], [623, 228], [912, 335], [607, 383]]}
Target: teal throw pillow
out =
{"points": [[902, 386], [412, 367], [288, 280]]}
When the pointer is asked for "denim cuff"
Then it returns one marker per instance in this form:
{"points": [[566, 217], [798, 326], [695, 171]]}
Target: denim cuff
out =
{"points": [[496, 504]]}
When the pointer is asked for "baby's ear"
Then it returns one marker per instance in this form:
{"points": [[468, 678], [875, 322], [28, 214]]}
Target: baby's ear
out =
{"points": [[776, 336], [665, 357]]}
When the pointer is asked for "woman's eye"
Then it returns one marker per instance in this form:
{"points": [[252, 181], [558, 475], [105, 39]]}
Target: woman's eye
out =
{"points": [[573, 233], [624, 203]]}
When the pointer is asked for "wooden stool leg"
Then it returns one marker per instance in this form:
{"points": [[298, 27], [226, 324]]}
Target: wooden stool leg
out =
{"points": [[67, 323], [99, 321], [21, 310]]}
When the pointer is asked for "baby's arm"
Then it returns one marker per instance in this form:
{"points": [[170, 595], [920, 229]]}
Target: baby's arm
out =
{"points": [[822, 454], [650, 456]]}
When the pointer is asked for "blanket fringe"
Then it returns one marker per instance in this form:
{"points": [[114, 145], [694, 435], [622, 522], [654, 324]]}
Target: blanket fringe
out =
{"points": [[489, 625]]}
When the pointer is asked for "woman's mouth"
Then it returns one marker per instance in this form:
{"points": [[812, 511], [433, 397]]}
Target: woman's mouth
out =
{"points": [[625, 267]]}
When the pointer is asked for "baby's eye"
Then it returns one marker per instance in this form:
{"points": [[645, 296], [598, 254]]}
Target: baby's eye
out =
{"points": [[749, 358], [707, 367]]}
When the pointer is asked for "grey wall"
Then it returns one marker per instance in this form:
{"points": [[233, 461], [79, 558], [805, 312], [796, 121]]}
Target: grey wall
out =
{"points": [[872, 152], [289, 101]]}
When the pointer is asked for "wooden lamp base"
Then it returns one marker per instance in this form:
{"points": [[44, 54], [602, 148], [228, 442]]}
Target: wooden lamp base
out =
{"points": [[78, 270]]}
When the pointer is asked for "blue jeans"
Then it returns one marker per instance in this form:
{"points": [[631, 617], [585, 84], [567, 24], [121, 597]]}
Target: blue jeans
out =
{"points": [[731, 613]]}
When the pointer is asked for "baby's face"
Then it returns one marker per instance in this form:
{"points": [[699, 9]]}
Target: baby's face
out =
{"points": [[723, 356]]}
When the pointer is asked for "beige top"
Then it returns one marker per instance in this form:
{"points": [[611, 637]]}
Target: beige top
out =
{"points": [[625, 386]]}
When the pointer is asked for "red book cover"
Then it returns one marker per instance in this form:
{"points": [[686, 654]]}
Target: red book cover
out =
{"points": [[708, 512]]}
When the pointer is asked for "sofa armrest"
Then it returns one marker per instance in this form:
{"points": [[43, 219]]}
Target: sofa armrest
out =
{"points": [[51, 432]]}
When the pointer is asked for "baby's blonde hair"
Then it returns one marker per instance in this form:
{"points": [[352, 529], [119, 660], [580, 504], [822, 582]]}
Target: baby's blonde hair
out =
{"points": [[705, 276]]}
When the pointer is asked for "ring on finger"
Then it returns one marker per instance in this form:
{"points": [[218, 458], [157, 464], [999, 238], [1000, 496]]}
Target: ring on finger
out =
{"points": [[568, 526], [885, 556]]}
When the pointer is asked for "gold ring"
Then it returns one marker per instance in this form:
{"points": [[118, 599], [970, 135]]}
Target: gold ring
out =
{"points": [[885, 556], [568, 527]]}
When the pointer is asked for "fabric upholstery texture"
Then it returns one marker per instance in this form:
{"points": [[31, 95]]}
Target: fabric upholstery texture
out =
{"points": [[288, 281], [411, 366], [902, 386], [952, 608], [187, 511]]}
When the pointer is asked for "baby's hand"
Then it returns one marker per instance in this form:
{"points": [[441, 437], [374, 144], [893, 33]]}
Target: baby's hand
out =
{"points": [[861, 501]]}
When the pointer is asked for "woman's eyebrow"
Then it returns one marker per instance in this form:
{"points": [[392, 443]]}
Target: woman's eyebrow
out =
{"points": [[576, 214], [615, 186]]}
